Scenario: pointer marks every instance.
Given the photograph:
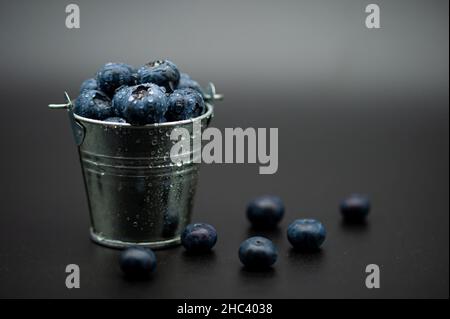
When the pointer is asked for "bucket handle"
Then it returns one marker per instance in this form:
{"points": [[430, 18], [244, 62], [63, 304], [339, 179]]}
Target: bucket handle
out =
{"points": [[78, 130]]}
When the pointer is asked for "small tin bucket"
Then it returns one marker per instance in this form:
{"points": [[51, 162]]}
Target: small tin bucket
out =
{"points": [[136, 194]]}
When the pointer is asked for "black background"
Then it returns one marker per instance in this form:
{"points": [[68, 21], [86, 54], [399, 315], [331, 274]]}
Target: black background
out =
{"points": [[358, 110]]}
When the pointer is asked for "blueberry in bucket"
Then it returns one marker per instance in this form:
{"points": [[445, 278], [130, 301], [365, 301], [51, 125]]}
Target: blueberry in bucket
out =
{"points": [[199, 237], [89, 84], [184, 104], [161, 72], [137, 262], [93, 104], [258, 253], [187, 82], [141, 104], [113, 75]]}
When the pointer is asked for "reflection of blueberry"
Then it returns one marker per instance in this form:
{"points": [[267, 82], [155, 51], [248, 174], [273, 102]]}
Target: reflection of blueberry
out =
{"points": [[161, 72], [184, 104], [141, 104], [170, 226], [355, 208], [89, 84], [265, 211], [115, 119], [137, 262], [306, 234], [187, 82], [113, 75], [94, 105], [199, 237], [258, 253]]}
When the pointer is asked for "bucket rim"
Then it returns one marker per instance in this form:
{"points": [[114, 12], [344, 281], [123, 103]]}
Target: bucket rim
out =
{"points": [[207, 114]]}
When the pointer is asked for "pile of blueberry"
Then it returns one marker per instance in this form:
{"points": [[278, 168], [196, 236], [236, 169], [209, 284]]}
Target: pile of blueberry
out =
{"points": [[257, 252], [154, 93]]}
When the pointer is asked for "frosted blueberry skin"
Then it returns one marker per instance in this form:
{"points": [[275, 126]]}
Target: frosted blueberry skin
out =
{"points": [[184, 104], [141, 104], [137, 262], [93, 104], [356, 207], [306, 234], [115, 119], [258, 253], [187, 82], [265, 211], [161, 72], [199, 237], [89, 84], [113, 75]]}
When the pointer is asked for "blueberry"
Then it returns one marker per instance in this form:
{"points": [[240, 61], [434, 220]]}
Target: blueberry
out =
{"points": [[199, 237], [184, 104], [94, 105], [265, 211], [187, 82], [141, 104], [89, 84], [258, 253], [113, 75], [137, 262], [115, 119], [306, 234], [355, 208], [161, 72]]}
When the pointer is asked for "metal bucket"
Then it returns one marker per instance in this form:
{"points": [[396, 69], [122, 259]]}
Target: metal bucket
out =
{"points": [[136, 194]]}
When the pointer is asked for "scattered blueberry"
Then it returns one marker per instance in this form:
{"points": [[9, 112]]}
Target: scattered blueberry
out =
{"points": [[89, 84], [355, 208], [265, 211], [306, 234], [113, 75], [115, 119], [199, 237], [141, 104], [94, 105], [161, 72], [184, 104], [137, 262], [187, 82], [258, 253]]}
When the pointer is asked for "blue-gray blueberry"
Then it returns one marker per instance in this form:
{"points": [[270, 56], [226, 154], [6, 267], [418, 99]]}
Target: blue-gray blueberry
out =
{"points": [[187, 82], [184, 104], [161, 72], [306, 234], [199, 237], [137, 262], [141, 104], [356, 207], [258, 253], [113, 75], [89, 84], [93, 104], [265, 211]]}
